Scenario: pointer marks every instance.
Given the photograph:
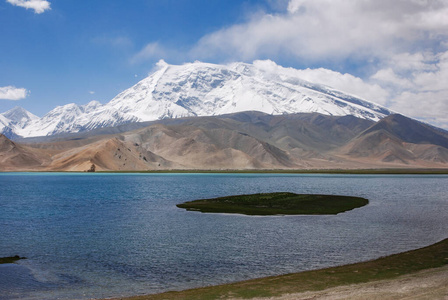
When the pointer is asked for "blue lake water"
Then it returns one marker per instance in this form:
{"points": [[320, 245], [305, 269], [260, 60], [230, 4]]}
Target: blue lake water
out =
{"points": [[103, 235]]}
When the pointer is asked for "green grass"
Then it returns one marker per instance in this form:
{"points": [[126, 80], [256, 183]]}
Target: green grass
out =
{"points": [[277, 204], [10, 259], [389, 267]]}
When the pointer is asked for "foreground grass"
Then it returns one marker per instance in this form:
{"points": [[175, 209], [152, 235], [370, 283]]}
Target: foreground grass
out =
{"points": [[277, 204], [389, 267]]}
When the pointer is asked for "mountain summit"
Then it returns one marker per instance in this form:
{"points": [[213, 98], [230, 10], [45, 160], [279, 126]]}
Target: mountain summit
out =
{"points": [[202, 89]]}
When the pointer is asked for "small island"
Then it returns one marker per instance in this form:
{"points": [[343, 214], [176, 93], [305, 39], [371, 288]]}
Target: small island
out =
{"points": [[281, 203], [10, 259]]}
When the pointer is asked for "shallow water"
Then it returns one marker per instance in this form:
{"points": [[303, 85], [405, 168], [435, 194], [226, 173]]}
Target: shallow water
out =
{"points": [[103, 235]]}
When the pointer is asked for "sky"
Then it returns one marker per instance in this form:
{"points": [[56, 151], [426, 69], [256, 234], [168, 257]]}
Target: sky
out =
{"points": [[393, 53]]}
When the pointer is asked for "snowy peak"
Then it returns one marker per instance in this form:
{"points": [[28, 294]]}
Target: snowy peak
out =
{"points": [[200, 89], [19, 117], [91, 106], [14, 120], [204, 89]]}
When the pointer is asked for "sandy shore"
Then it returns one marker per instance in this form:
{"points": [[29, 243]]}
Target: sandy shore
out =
{"points": [[427, 284]]}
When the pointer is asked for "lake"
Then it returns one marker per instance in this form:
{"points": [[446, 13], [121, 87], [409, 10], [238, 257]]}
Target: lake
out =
{"points": [[104, 235]]}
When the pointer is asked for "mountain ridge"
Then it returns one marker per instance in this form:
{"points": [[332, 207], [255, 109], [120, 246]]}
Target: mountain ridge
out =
{"points": [[240, 141], [199, 89]]}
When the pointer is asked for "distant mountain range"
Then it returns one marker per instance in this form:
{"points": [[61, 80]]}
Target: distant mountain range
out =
{"points": [[246, 140], [194, 89], [206, 116]]}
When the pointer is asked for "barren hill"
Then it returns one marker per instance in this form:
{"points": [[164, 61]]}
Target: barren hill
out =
{"points": [[401, 140], [15, 157], [247, 140]]}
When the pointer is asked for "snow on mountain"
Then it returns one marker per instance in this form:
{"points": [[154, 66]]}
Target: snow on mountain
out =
{"points": [[75, 118], [203, 89], [20, 117], [14, 120], [4, 122]]}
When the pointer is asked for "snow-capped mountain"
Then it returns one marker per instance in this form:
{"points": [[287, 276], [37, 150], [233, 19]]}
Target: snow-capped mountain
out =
{"points": [[76, 118], [14, 120], [20, 117], [202, 89]]}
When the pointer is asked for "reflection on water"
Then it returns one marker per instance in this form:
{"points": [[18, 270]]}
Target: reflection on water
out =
{"points": [[103, 235]]}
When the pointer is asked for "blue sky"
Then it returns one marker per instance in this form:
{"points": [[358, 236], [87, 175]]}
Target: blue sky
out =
{"points": [[394, 53]]}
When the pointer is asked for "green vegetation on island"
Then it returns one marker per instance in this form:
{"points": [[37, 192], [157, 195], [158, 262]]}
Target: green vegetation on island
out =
{"points": [[10, 259], [389, 267], [277, 204]]}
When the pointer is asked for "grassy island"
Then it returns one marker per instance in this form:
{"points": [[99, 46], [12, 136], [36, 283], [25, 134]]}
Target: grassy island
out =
{"points": [[277, 204], [10, 259]]}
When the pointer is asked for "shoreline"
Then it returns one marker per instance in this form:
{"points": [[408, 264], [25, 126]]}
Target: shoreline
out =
{"points": [[424, 270], [313, 171], [379, 171]]}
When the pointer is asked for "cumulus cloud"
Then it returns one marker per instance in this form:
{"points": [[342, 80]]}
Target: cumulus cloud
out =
{"points": [[39, 6], [417, 84], [12, 93], [389, 78], [428, 106], [322, 29]]}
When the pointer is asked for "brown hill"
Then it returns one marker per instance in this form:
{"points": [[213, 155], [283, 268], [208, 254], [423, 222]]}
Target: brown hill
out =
{"points": [[215, 148], [398, 139], [15, 157], [249, 140], [108, 154], [411, 131]]}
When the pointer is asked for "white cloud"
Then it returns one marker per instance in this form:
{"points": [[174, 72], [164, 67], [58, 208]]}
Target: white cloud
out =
{"points": [[332, 29], [91, 92], [149, 52], [388, 77], [436, 79], [346, 83], [431, 107], [418, 85], [39, 6], [343, 82], [12, 93], [294, 6], [407, 62]]}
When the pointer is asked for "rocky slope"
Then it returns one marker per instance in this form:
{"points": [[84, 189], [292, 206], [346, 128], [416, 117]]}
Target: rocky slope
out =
{"points": [[247, 140], [402, 140], [15, 157]]}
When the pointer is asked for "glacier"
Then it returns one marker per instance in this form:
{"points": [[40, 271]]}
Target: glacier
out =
{"points": [[195, 89]]}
